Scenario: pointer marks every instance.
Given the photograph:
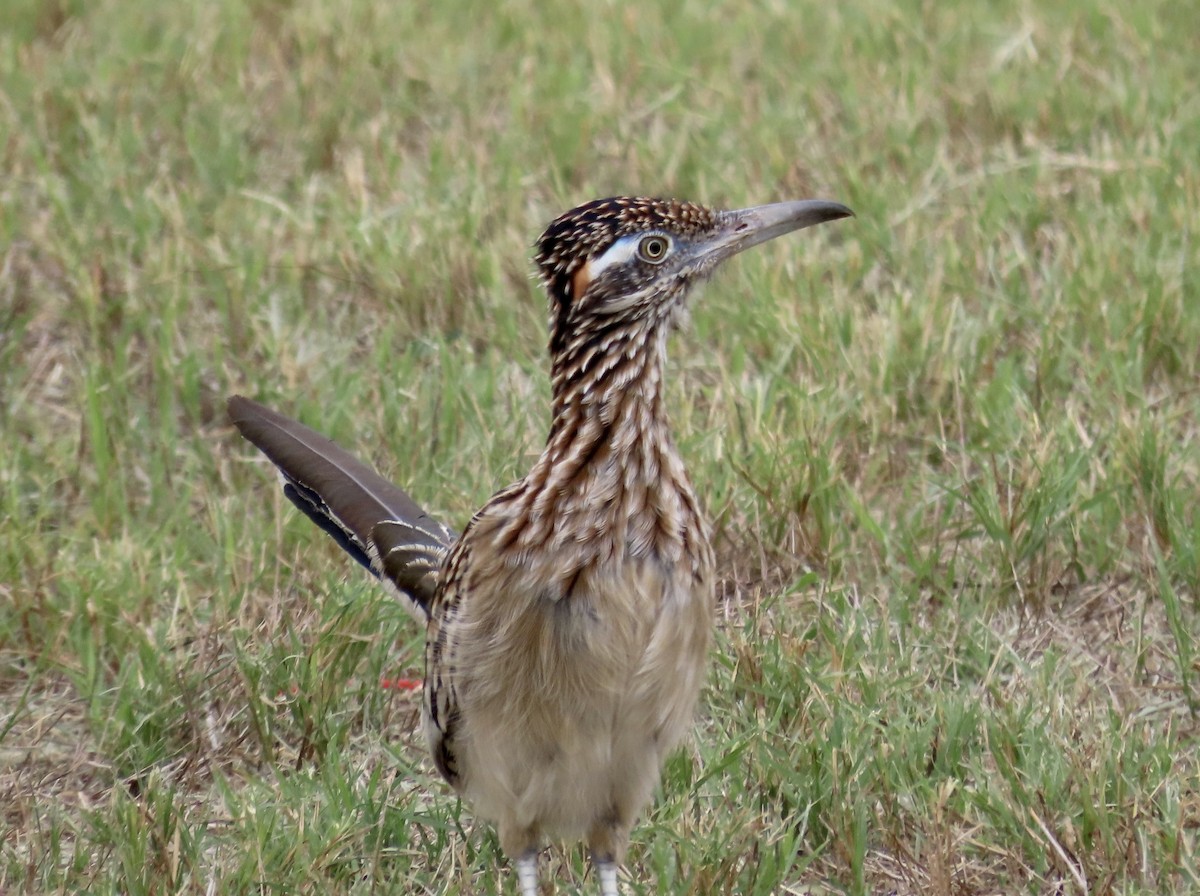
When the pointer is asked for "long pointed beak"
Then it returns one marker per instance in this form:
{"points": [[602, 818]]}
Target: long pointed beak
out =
{"points": [[746, 227]]}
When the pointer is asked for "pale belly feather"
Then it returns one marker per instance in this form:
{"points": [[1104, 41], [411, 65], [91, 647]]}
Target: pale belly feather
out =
{"points": [[571, 703]]}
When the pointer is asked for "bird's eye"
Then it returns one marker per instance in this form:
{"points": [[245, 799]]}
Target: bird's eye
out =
{"points": [[653, 248]]}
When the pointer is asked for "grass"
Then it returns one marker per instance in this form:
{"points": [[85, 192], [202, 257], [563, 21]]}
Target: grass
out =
{"points": [[951, 448]]}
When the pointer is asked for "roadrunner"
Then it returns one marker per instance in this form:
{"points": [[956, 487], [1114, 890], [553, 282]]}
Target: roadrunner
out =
{"points": [[567, 626]]}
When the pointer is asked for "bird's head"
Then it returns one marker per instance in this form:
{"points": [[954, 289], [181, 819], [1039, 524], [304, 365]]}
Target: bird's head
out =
{"points": [[612, 262]]}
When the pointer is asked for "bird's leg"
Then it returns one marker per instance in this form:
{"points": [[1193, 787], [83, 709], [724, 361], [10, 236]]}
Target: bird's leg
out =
{"points": [[607, 870], [607, 842], [527, 873]]}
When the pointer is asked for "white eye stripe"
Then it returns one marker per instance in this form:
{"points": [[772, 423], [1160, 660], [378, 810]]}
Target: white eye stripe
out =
{"points": [[618, 253]]}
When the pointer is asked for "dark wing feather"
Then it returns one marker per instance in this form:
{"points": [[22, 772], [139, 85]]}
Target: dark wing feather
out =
{"points": [[373, 520]]}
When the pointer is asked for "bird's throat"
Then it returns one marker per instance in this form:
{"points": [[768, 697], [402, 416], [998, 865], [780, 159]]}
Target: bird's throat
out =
{"points": [[609, 394]]}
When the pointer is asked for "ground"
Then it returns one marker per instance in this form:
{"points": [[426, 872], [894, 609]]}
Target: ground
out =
{"points": [[949, 448]]}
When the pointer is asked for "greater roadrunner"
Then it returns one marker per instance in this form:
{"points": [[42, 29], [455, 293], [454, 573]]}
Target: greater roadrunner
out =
{"points": [[568, 624]]}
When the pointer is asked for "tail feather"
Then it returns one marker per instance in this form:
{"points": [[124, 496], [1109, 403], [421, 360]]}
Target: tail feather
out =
{"points": [[374, 521]]}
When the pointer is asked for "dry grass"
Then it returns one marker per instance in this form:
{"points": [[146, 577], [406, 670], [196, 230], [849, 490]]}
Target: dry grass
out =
{"points": [[951, 449]]}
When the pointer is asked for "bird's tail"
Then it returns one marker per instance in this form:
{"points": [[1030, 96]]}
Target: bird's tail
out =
{"points": [[374, 521]]}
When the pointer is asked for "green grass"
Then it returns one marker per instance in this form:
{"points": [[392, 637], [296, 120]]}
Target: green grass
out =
{"points": [[951, 448]]}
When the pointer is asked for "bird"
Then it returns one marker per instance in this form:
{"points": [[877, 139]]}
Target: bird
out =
{"points": [[567, 625]]}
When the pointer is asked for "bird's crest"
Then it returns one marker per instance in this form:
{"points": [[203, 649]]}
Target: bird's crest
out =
{"points": [[577, 237]]}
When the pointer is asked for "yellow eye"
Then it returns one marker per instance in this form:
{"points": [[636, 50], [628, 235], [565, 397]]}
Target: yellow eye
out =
{"points": [[653, 248]]}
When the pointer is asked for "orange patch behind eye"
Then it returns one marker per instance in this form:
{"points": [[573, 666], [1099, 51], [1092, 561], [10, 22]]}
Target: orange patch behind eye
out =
{"points": [[581, 280]]}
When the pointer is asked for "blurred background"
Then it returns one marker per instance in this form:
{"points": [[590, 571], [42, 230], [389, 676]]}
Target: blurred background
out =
{"points": [[949, 448]]}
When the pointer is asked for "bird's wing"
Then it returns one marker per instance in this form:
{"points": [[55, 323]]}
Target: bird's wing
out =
{"points": [[376, 522]]}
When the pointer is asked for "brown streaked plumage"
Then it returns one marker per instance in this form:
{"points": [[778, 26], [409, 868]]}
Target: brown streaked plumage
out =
{"points": [[568, 624]]}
